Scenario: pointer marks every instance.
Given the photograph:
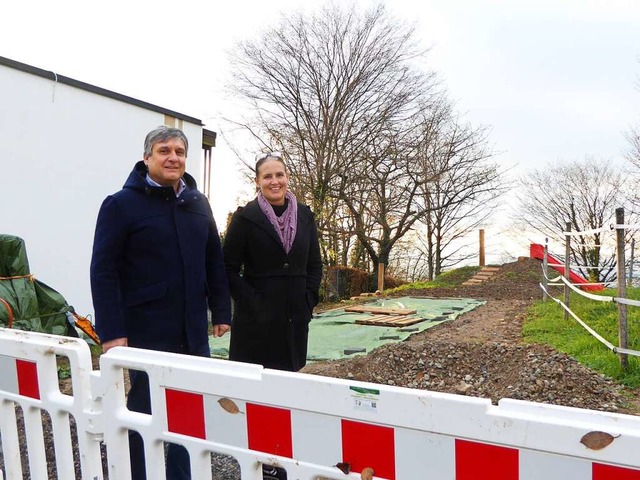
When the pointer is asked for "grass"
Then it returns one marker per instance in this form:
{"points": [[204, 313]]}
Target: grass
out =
{"points": [[545, 324], [63, 367], [452, 278]]}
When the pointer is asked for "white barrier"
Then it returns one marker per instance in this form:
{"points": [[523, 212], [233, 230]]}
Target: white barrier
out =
{"points": [[29, 379], [309, 425]]}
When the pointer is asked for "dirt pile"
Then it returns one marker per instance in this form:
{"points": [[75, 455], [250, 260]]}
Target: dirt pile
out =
{"points": [[492, 370]]}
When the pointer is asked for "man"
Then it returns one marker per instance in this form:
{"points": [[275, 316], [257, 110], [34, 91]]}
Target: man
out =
{"points": [[156, 266]]}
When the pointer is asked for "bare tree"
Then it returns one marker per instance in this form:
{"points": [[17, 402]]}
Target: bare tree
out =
{"points": [[633, 155], [463, 184], [408, 261], [365, 130], [633, 137], [381, 189], [322, 88], [584, 194]]}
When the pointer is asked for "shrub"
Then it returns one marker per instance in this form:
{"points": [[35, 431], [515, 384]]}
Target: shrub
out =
{"points": [[341, 282], [344, 282]]}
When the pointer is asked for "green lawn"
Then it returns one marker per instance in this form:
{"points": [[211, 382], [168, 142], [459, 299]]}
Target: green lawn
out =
{"points": [[545, 324], [452, 278]]}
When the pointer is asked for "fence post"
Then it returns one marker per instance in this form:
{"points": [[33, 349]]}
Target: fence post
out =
{"points": [[622, 287], [482, 247], [545, 273], [567, 268], [380, 277], [631, 260]]}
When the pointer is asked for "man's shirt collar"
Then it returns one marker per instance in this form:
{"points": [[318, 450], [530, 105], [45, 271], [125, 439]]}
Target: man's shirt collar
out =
{"points": [[181, 187]]}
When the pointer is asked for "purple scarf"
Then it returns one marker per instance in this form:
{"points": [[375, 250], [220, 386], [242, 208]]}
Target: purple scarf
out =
{"points": [[287, 223]]}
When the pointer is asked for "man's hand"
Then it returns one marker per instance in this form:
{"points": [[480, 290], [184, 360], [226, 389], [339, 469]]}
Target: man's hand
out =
{"points": [[221, 329], [116, 342]]}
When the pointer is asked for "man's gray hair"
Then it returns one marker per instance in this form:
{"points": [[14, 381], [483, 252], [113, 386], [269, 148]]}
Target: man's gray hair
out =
{"points": [[162, 134]]}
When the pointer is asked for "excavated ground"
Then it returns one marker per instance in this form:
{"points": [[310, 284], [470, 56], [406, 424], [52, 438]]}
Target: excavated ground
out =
{"points": [[481, 353]]}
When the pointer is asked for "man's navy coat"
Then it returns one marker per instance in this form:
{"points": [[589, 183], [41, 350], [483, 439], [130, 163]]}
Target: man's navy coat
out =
{"points": [[156, 266]]}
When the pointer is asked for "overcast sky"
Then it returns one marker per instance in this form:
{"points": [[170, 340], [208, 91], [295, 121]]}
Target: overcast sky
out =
{"points": [[555, 80]]}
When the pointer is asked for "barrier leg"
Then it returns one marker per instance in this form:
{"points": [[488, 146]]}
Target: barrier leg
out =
{"points": [[61, 428], [90, 455], [10, 440], [200, 462], [154, 458], [35, 443]]}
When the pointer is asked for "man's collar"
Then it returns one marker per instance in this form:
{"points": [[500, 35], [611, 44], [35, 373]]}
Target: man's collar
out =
{"points": [[181, 187]]}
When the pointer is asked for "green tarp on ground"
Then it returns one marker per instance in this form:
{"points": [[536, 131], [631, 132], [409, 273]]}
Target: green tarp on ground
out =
{"points": [[334, 334], [35, 306]]}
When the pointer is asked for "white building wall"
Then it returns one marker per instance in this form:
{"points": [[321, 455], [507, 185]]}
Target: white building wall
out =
{"points": [[62, 151]]}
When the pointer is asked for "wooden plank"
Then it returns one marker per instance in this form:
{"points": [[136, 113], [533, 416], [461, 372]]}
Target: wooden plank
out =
{"points": [[383, 310], [375, 318], [403, 323], [391, 321]]}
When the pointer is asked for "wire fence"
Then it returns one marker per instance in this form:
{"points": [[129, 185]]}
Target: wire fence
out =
{"points": [[620, 229], [560, 280]]}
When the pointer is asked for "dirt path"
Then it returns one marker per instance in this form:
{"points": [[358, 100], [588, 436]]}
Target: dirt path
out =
{"points": [[495, 321]]}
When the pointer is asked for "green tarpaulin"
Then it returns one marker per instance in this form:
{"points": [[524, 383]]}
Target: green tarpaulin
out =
{"points": [[335, 334], [33, 305]]}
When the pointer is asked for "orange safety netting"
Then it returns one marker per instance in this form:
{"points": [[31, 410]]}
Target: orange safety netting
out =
{"points": [[84, 324]]}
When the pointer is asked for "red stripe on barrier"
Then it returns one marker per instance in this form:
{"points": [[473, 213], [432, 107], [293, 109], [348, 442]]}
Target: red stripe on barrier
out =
{"points": [[609, 472], [479, 461], [185, 413], [28, 379], [365, 445], [269, 430]]}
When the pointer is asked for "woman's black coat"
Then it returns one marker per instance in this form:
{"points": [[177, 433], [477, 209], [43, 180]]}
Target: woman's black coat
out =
{"points": [[274, 292]]}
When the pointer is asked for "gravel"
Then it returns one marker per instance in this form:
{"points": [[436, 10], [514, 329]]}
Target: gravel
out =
{"points": [[492, 370]]}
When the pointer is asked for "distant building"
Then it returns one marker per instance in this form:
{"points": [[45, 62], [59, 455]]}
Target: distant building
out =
{"points": [[64, 146]]}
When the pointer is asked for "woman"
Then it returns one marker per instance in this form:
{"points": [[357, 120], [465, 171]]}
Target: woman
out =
{"points": [[273, 241]]}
